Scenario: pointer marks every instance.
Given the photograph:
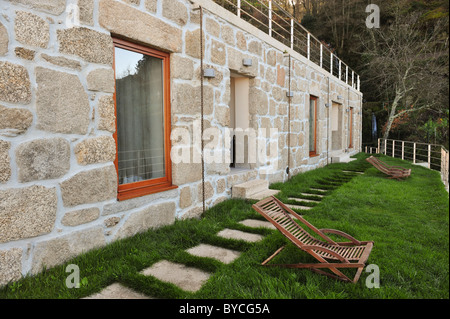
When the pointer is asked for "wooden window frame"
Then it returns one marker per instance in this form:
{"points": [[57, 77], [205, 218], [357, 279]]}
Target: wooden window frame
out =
{"points": [[315, 99], [142, 188]]}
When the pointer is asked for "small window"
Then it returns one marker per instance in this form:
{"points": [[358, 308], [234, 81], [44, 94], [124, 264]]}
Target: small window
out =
{"points": [[350, 127], [313, 126], [142, 101]]}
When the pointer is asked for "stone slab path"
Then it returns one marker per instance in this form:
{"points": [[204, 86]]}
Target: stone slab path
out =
{"points": [[300, 207], [257, 223], [239, 235], [312, 194], [304, 200], [221, 254], [187, 278], [118, 291], [192, 279], [353, 172]]}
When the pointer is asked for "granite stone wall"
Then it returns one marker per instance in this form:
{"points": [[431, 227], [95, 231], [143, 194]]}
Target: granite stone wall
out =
{"points": [[58, 183]]}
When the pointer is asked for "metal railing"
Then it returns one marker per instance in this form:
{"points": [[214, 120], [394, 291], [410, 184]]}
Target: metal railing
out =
{"points": [[433, 156], [270, 17]]}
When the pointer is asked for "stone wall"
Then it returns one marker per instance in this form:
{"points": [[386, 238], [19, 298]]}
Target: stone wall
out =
{"points": [[58, 183]]}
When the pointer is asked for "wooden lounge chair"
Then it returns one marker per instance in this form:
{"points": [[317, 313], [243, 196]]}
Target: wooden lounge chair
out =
{"points": [[351, 254], [396, 172]]}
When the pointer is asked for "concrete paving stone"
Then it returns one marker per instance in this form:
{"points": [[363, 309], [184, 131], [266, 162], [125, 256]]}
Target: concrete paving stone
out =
{"points": [[354, 172], [310, 194], [303, 200], [257, 223], [186, 278], [249, 188], [298, 207], [237, 234], [264, 194], [221, 254], [118, 291]]}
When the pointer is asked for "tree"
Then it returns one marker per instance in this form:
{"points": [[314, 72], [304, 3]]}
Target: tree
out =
{"points": [[403, 65], [408, 64]]}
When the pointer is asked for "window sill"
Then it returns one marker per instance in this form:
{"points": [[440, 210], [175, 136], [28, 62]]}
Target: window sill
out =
{"points": [[313, 154], [129, 194]]}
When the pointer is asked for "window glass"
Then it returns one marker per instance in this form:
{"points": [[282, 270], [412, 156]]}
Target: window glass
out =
{"points": [[350, 128], [312, 125], [140, 116]]}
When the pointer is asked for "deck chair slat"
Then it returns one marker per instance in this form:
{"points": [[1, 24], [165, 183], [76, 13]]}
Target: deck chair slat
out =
{"points": [[278, 213], [302, 236], [291, 228], [350, 253], [344, 252], [274, 213], [278, 217], [308, 240], [297, 232], [359, 253], [285, 222], [266, 205], [270, 207]]}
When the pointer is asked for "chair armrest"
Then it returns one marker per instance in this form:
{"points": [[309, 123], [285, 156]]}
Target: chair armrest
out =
{"points": [[396, 168], [400, 167], [341, 233]]}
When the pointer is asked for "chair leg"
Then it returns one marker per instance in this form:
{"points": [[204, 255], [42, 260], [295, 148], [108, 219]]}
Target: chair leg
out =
{"points": [[316, 267], [337, 274], [273, 255], [343, 278], [333, 267], [358, 274]]}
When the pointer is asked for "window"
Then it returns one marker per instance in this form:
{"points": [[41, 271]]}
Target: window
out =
{"points": [[239, 119], [313, 126], [350, 127], [142, 101]]}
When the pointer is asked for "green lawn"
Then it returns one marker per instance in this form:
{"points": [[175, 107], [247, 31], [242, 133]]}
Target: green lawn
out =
{"points": [[408, 221]]}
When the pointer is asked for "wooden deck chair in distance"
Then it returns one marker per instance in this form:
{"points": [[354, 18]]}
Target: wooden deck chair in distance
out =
{"points": [[396, 172]]}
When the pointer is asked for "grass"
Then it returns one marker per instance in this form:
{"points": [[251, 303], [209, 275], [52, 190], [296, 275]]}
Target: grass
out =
{"points": [[407, 220]]}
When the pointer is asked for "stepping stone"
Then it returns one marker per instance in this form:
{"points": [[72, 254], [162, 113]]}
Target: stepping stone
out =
{"points": [[186, 278], [303, 200], [310, 194], [257, 223], [117, 291], [221, 254], [341, 158], [298, 207], [264, 194], [237, 234], [257, 189], [250, 188], [354, 172], [319, 189]]}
